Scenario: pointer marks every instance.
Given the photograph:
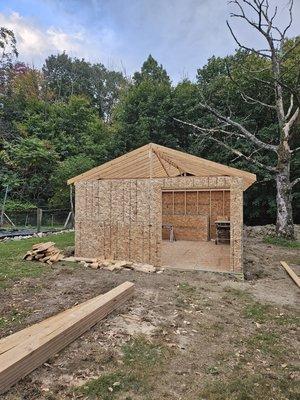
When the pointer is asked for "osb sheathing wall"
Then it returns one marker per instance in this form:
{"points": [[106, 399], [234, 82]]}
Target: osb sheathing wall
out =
{"points": [[122, 219], [193, 212]]}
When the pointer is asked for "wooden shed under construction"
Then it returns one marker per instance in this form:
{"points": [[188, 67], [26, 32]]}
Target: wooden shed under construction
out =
{"points": [[164, 207]]}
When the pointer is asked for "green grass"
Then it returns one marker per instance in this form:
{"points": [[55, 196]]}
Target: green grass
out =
{"points": [[141, 366], [13, 268], [276, 241], [263, 313], [265, 342], [234, 293], [141, 353], [107, 386], [249, 387], [15, 316], [186, 288], [257, 312]]}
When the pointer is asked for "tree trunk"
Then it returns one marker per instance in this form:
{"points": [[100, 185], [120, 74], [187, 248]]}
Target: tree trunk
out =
{"points": [[284, 223]]}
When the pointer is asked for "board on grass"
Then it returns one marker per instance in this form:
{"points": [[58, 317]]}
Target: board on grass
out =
{"points": [[23, 351]]}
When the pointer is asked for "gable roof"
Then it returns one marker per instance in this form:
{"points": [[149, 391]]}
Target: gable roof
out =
{"points": [[155, 161]]}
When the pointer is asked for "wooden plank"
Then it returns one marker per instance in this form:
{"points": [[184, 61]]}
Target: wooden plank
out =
{"points": [[78, 259], [24, 351], [161, 162], [195, 190], [126, 166], [211, 165], [122, 159], [187, 227], [291, 273]]}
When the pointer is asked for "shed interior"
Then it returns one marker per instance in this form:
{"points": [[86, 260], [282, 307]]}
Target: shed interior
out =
{"points": [[193, 214]]}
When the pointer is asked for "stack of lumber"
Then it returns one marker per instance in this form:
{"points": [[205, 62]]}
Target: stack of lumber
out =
{"points": [[23, 351], [44, 252], [113, 265]]}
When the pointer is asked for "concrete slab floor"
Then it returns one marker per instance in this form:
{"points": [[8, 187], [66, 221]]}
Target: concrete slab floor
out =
{"points": [[196, 255]]}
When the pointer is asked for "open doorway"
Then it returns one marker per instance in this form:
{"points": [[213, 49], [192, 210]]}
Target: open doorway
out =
{"points": [[196, 229]]}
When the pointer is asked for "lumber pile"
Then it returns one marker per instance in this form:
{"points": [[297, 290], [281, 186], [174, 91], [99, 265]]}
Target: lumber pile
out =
{"points": [[44, 252], [113, 265], [24, 351]]}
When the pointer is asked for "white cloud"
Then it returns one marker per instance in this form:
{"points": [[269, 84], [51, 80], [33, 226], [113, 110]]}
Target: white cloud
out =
{"points": [[34, 43]]}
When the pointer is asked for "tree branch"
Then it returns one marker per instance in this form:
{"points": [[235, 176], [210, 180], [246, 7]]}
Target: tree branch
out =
{"points": [[292, 120], [248, 99], [296, 44], [241, 128], [251, 100], [290, 107], [295, 181], [258, 52], [225, 145]]}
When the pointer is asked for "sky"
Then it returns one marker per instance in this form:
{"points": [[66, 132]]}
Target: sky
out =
{"points": [[181, 34]]}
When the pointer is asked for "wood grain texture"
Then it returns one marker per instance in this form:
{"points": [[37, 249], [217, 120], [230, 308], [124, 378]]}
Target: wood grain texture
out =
{"points": [[24, 351], [291, 273], [155, 161], [124, 218]]}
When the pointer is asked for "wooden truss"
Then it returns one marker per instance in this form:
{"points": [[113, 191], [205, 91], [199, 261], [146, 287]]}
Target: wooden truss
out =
{"points": [[155, 161]]}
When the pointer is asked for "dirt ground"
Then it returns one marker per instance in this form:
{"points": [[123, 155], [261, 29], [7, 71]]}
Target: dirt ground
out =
{"points": [[185, 335]]}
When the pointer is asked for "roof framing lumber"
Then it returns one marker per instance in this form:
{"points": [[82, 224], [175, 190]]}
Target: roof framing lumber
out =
{"points": [[161, 162], [24, 351], [174, 164], [156, 161]]}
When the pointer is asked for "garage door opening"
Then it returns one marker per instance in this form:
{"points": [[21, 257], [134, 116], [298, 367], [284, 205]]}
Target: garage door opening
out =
{"points": [[196, 229]]}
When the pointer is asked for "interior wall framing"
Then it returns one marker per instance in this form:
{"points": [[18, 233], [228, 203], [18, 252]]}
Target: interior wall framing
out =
{"points": [[122, 219], [198, 208]]}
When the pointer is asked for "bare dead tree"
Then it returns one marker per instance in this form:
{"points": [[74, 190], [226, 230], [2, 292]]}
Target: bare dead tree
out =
{"points": [[276, 52]]}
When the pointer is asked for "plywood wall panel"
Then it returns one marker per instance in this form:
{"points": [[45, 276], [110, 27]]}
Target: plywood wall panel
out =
{"points": [[187, 227], [191, 203], [122, 219], [179, 204]]}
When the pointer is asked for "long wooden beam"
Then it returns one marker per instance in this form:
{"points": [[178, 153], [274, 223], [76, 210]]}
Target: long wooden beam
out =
{"points": [[161, 162], [24, 351], [291, 273]]}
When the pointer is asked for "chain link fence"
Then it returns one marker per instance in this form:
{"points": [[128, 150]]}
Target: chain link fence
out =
{"points": [[36, 220]]}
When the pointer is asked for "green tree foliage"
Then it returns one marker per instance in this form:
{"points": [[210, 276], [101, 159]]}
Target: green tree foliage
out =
{"points": [[143, 112], [72, 127], [221, 81], [73, 115], [26, 167], [65, 170], [151, 71], [65, 77]]}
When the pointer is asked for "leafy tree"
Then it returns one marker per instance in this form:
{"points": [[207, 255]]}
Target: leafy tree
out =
{"points": [[66, 77], [8, 51], [29, 162], [8, 43], [65, 170], [26, 83], [72, 128], [281, 87], [143, 112], [151, 71]]}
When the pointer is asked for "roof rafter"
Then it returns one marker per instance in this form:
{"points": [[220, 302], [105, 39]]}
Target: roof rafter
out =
{"points": [[161, 162], [156, 161]]}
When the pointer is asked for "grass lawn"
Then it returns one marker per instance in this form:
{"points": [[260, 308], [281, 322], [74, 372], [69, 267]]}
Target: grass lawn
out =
{"points": [[184, 335], [12, 267], [291, 244]]}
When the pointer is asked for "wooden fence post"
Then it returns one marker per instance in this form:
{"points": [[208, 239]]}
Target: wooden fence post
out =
{"points": [[3, 207], [39, 213]]}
